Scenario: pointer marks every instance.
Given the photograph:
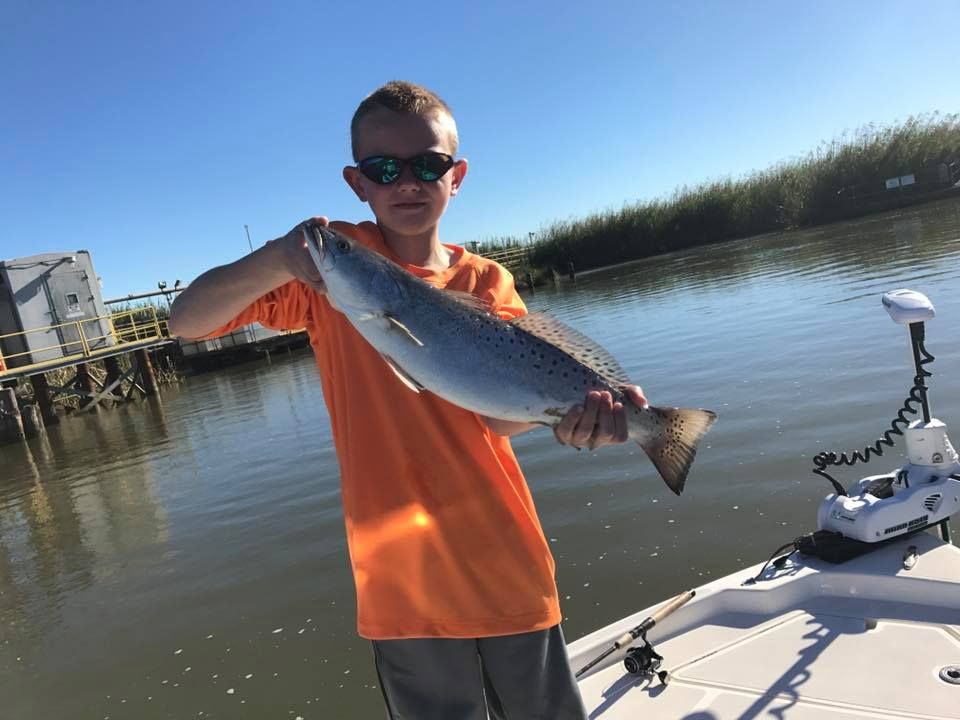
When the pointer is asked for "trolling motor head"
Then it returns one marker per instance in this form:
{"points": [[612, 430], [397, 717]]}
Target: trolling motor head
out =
{"points": [[927, 441], [906, 307], [923, 492]]}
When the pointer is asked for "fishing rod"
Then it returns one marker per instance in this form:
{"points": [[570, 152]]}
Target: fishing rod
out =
{"points": [[643, 660]]}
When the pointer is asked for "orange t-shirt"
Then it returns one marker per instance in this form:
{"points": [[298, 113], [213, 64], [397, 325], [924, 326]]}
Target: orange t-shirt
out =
{"points": [[443, 535]]}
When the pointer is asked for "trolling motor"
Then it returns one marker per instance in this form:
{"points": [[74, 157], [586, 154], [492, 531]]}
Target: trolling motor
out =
{"points": [[643, 659], [923, 492]]}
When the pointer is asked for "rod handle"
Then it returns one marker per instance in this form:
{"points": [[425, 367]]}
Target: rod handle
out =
{"points": [[672, 606]]}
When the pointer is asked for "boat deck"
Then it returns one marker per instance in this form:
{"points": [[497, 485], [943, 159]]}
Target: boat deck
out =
{"points": [[865, 639]]}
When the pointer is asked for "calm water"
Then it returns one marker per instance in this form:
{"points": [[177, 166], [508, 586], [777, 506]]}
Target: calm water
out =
{"points": [[185, 558]]}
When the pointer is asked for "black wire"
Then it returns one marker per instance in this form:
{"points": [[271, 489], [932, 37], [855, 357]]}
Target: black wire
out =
{"points": [[903, 477], [822, 460], [791, 544]]}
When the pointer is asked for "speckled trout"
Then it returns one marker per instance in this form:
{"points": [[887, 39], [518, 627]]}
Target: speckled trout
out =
{"points": [[531, 369]]}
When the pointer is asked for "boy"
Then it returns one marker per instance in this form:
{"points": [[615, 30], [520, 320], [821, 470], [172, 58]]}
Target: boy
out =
{"points": [[454, 578]]}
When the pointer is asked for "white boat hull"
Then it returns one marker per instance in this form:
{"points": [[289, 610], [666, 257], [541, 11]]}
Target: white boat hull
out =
{"points": [[864, 639]]}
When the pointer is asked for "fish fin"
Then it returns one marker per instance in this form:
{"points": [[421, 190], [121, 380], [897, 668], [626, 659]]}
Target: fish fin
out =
{"points": [[672, 449], [397, 325], [574, 343], [471, 301], [404, 376]]}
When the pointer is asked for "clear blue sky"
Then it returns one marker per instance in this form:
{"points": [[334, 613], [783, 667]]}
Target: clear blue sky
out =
{"points": [[150, 133]]}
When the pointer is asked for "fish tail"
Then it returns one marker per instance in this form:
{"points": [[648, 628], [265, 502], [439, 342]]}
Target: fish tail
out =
{"points": [[674, 446]]}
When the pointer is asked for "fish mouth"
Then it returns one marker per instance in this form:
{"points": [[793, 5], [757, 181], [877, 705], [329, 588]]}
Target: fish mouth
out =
{"points": [[313, 238]]}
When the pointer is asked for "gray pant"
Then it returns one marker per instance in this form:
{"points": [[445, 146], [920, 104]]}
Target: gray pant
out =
{"points": [[520, 677]]}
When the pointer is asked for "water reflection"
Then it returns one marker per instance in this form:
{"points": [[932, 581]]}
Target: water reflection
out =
{"points": [[205, 521], [65, 517]]}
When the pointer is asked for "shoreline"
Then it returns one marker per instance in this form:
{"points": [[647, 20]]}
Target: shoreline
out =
{"points": [[951, 194]]}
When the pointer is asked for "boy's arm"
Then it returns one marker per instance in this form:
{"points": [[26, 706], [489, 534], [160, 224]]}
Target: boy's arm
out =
{"points": [[219, 295]]}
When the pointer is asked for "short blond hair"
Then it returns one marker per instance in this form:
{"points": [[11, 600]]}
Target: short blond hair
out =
{"points": [[402, 97]]}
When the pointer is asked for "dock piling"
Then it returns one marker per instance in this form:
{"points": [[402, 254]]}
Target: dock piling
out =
{"points": [[114, 374], [147, 376], [41, 391], [32, 420], [11, 424], [112, 366], [84, 382]]}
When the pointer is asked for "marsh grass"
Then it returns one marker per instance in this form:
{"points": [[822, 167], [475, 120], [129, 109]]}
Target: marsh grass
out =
{"points": [[840, 179]]}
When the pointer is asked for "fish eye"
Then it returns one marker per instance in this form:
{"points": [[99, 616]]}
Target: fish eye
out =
{"points": [[343, 246]]}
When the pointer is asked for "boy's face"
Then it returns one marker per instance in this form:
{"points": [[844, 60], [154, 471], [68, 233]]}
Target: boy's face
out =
{"points": [[408, 206]]}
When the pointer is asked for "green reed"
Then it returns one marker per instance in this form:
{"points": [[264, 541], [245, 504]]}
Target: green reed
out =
{"points": [[840, 179]]}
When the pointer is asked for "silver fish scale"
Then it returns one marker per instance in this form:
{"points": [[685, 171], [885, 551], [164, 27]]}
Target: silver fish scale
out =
{"points": [[517, 343], [502, 361]]}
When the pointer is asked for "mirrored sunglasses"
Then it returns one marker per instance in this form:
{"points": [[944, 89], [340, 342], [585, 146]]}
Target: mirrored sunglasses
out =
{"points": [[428, 166]]}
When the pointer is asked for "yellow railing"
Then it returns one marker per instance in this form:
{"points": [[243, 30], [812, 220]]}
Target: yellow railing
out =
{"points": [[137, 325], [124, 328], [511, 258]]}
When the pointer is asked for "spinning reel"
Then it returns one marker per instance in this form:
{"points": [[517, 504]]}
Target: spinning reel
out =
{"points": [[643, 659]]}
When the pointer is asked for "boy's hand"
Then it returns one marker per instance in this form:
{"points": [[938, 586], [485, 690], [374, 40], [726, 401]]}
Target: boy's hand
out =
{"points": [[220, 294], [599, 421], [292, 253]]}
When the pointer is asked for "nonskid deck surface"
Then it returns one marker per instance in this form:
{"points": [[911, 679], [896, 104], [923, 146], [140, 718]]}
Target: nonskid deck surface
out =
{"points": [[865, 639]]}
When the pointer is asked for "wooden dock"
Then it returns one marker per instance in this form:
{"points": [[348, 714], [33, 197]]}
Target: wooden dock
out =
{"points": [[129, 331], [78, 344]]}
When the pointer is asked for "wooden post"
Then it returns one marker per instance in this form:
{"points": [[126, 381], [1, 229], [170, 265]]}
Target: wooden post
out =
{"points": [[112, 366], [41, 392], [32, 420], [11, 425], [147, 377], [85, 383]]}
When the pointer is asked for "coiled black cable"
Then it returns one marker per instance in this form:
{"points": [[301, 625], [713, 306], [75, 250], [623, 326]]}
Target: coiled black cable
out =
{"points": [[918, 395]]}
